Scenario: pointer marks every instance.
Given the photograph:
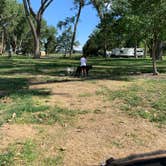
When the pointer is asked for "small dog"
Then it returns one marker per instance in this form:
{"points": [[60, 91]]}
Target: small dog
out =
{"points": [[70, 71], [78, 71]]}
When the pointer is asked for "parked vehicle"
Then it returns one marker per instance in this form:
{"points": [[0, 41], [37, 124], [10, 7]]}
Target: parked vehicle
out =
{"points": [[127, 52]]}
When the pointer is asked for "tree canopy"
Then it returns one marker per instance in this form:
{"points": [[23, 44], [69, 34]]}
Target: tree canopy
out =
{"points": [[123, 23]]}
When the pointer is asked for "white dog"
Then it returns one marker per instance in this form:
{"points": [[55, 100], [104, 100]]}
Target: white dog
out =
{"points": [[70, 70]]}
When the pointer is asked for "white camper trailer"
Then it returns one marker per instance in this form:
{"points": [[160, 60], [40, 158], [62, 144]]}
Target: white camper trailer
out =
{"points": [[127, 52]]}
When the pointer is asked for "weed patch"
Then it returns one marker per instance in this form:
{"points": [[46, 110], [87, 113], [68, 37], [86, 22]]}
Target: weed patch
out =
{"points": [[19, 154], [57, 160], [147, 100], [19, 104], [53, 115], [6, 158]]}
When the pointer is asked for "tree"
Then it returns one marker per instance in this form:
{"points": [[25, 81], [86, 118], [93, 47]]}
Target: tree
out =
{"points": [[2, 4], [107, 36], [92, 46], [64, 41], [152, 14], [79, 5], [34, 20], [139, 21], [48, 38], [19, 31], [130, 23], [8, 22], [103, 8]]}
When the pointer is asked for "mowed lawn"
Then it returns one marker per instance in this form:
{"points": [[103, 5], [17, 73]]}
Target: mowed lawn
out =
{"points": [[48, 117]]}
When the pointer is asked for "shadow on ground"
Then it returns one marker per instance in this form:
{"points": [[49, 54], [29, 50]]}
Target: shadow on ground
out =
{"points": [[20, 86]]}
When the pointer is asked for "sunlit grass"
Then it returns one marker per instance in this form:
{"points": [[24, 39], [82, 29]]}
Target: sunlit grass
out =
{"points": [[19, 104], [53, 115], [147, 100], [14, 84]]}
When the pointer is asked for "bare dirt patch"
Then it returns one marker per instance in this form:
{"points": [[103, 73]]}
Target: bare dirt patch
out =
{"points": [[11, 133], [100, 137], [80, 94], [107, 133], [102, 133]]}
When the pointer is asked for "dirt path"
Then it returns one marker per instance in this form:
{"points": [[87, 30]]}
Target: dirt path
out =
{"points": [[102, 133]]}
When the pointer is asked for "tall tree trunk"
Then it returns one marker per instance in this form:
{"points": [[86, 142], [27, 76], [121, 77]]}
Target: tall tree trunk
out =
{"points": [[135, 52], [4, 37], [150, 47], [159, 50], [75, 27], [35, 28], [154, 48], [135, 48], [36, 37], [37, 47], [37, 41], [20, 44], [145, 49], [14, 44], [65, 53], [2, 42], [105, 48]]}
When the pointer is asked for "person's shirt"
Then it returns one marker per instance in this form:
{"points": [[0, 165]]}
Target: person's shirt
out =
{"points": [[83, 61]]}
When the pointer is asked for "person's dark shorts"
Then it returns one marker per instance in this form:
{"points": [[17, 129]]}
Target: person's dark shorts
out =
{"points": [[83, 67]]}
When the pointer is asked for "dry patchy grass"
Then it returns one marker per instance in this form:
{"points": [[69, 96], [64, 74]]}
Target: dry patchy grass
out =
{"points": [[97, 127]]}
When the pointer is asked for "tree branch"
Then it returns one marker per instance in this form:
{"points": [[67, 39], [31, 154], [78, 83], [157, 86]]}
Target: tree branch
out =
{"points": [[30, 9], [26, 8], [44, 5]]}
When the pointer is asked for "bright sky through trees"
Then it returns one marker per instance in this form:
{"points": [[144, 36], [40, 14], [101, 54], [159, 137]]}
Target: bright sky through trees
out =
{"points": [[60, 9]]}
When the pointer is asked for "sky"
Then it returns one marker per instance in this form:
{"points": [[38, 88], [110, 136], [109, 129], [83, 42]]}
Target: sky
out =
{"points": [[60, 9]]}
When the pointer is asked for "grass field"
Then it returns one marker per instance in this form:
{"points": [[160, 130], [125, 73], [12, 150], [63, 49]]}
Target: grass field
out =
{"points": [[50, 118]]}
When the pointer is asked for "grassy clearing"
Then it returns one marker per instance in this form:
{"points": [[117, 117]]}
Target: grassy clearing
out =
{"points": [[121, 69], [147, 100], [19, 104], [103, 68]]}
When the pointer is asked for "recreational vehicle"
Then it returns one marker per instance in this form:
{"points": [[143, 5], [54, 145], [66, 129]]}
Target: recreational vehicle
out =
{"points": [[127, 52]]}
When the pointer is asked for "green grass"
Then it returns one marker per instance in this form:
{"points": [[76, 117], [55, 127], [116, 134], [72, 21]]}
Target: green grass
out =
{"points": [[147, 100], [6, 159], [28, 153], [121, 69], [51, 116], [16, 74], [19, 153], [28, 110], [20, 103], [117, 68]]}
